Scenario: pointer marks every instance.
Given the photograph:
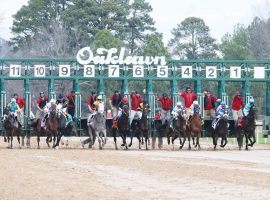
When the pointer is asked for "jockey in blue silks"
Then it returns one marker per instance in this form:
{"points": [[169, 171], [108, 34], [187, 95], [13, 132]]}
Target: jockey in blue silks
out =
{"points": [[248, 106], [220, 111], [13, 106]]}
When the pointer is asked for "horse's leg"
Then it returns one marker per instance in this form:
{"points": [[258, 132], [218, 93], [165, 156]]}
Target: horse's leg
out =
{"points": [[183, 142], [174, 137], [48, 139], [189, 147], [131, 138], [38, 139], [239, 136], [11, 139], [18, 137], [193, 141], [99, 140], [146, 139], [114, 130], [246, 136], [250, 140], [197, 142], [226, 141]]}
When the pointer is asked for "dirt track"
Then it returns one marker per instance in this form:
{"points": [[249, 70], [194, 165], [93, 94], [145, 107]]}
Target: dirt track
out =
{"points": [[70, 173]]}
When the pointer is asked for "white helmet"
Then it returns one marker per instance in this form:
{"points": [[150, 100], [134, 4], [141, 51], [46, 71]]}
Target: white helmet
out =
{"points": [[195, 103], [52, 101], [179, 103]]}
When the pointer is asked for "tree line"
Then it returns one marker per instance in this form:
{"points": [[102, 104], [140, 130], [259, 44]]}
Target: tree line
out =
{"points": [[59, 28]]}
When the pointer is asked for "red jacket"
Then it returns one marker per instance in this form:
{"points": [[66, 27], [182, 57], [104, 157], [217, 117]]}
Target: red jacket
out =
{"points": [[210, 103], [165, 103], [189, 98], [135, 101], [20, 102], [238, 103], [91, 100]]}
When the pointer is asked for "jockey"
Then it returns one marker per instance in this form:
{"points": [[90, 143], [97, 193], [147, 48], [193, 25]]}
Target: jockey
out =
{"points": [[248, 106], [175, 112], [178, 108], [47, 110], [220, 111], [61, 101], [14, 107], [123, 102], [195, 108]]}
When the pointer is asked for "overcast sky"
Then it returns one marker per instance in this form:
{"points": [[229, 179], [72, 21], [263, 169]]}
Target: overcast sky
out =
{"points": [[219, 15]]}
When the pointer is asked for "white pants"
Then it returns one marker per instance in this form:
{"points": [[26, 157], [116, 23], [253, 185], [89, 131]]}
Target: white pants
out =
{"points": [[133, 113], [165, 115], [188, 112]]}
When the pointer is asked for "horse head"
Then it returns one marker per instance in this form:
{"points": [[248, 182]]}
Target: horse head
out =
{"points": [[225, 115], [125, 110]]}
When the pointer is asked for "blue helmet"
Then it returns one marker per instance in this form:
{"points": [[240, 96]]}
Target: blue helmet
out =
{"points": [[251, 100], [223, 103]]}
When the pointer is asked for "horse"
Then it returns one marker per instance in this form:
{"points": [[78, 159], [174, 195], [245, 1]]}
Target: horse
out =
{"points": [[141, 128], [97, 128], [11, 126], [61, 124], [37, 128], [221, 130], [179, 128], [122, 126], [194, 129], [52, 126], [248, 129]]}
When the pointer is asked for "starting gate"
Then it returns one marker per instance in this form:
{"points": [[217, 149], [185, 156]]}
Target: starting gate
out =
{"points": [[221, 71]]}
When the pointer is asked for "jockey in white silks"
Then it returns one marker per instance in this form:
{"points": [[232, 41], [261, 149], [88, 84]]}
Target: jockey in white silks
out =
{"points": [[62, 108], [47, 110], [175, 112]]}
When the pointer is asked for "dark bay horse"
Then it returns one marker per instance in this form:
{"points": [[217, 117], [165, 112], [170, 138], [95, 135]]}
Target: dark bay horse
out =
{"points": [[221, 130], [11, 126], [52, 126], [179, 128], [248, 129], [61, 124], [38, 130], [122, 126], [194, 129], [141, 128]]}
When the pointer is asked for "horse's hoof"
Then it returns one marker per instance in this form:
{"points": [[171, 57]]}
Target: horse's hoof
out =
{"points": [[129, 145], [37, 147], [122, 145], [57, 147]]}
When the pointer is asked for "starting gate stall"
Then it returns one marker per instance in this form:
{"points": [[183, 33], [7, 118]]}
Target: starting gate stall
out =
{"points": [[109, 64]]}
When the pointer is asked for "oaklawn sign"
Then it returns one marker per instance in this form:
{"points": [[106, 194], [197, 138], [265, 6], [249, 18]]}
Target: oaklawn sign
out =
{"points": [[111, 56]]}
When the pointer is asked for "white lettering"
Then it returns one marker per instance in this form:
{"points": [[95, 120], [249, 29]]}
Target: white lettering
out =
{"points": [[85, 56]]}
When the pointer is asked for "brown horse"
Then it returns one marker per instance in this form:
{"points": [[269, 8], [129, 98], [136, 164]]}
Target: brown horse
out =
{"points": [[179, 128], [52, 126], [11, 126], [194, 129], [38, 130]]}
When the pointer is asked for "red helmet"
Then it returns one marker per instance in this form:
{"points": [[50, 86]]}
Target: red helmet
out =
{"points": [[125, 99]]}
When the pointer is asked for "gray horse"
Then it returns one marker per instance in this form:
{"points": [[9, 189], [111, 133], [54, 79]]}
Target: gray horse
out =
{"points": [[96, 124]]}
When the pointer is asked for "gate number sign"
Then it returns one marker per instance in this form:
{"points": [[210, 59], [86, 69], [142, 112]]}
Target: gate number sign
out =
{"points": [[138, 71]]}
